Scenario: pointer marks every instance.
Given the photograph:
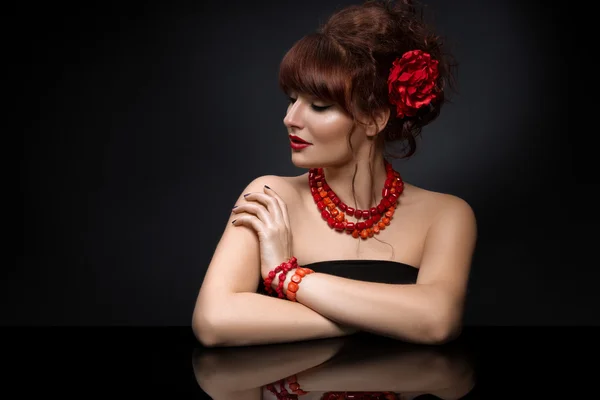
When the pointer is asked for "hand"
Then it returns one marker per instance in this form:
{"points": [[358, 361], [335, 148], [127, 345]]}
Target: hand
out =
{"points": [[267, 215]]}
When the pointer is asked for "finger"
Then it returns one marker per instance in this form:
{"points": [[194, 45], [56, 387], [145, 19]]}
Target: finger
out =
{"points": [[282, 206], [255, 209], [276, 204], [269, 203], [249, 221]]}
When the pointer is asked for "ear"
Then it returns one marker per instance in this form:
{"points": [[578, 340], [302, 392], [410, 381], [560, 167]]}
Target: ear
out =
{"points": [[381, 118]]}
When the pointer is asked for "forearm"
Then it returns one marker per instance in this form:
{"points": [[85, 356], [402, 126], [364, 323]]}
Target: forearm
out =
{"points": [[237, 369], [242, 319], [420, 372], [409, 312]]}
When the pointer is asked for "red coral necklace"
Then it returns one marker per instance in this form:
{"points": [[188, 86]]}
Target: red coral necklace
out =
{"points": [[377, 218]]}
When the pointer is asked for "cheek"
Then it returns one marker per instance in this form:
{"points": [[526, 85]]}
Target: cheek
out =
{"points": [[332, 127]]}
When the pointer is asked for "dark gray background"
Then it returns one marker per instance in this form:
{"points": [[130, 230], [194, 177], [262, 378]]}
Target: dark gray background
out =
{"points": [[142, 124]]}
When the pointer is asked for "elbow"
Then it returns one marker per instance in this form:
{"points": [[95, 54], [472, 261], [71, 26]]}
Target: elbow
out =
{"points": [[443, 330], [205, 329], [443, 335]]}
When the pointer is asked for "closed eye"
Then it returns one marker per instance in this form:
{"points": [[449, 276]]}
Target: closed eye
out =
{"points": [[313, 106], [319, 108]]}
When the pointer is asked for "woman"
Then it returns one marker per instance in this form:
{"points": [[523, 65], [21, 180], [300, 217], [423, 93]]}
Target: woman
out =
{"points": [[348, 246]]}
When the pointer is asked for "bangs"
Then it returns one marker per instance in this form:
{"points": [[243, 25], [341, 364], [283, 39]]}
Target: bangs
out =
{"points": [[316, 66]]}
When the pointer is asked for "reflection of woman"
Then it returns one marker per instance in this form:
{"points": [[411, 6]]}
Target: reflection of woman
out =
{"points": [[349, 245], [335, 369]]}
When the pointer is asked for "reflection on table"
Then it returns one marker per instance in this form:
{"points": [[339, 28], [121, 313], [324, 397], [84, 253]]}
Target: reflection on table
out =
{"points": [[358, 367]]}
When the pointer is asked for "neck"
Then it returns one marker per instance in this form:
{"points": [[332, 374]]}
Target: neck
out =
{"points": [[368, 181]]}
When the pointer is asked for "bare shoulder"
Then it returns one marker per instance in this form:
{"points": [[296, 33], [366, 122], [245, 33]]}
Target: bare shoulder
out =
{"points": [[441, 206], [287, 187], [455, 209], [438, 203]]}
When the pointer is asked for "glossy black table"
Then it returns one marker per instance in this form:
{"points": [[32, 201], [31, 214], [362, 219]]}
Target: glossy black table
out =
{"points": [[484, 362]]}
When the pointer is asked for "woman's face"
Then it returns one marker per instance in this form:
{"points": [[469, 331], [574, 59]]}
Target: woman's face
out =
{"points": [[325, 126]]}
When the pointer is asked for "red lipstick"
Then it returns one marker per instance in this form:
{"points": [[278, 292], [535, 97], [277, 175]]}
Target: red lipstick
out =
{"points": [[297, 143]]}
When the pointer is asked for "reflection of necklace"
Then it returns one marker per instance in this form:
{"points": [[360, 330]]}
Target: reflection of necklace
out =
{"points": [[359, 396], [376, 218]]}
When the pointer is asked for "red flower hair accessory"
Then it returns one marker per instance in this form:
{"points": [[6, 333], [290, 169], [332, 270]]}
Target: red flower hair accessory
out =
{"points": [[412, 82]]}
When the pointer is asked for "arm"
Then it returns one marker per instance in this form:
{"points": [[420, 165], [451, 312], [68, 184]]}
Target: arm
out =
{"points": [[229, 312], [429, 311], [241, 319], [227, 370], [418, 370]]}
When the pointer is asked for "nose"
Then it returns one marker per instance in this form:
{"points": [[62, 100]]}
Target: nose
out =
{"points": [[293, 117]]}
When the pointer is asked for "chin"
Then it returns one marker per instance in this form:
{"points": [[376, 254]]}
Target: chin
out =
{"points": [[308, 160], [303, 164]]}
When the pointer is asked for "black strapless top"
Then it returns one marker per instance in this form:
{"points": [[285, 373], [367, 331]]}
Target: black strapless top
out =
{"points": [[380, 271]]}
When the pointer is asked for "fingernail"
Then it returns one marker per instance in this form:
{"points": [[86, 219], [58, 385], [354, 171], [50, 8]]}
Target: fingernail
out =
{"points": [[234, 207], [233, 221], [247, 194], [267, 187]]}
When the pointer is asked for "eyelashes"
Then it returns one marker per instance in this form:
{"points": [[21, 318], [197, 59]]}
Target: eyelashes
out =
{"points": [[319, 108], [314, 107]]}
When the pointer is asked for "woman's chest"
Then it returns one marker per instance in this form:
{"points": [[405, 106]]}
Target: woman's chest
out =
{"points": [[402, 239]]}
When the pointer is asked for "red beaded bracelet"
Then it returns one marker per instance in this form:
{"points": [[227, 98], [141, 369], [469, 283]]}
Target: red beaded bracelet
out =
{"points": [[296, 279], [294, 385], [284, 268], [283, 394]]}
